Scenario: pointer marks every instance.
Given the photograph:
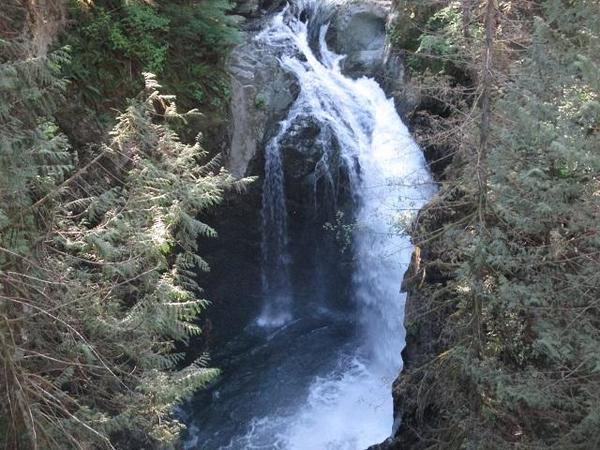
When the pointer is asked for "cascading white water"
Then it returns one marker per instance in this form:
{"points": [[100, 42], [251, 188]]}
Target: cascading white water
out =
{"points": [[351, 407], [274, 246]]}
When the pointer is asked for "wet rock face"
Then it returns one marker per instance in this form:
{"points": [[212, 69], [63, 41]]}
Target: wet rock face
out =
{"points": [[300, 148], [358, 30], [262, 93], [315, 177]]}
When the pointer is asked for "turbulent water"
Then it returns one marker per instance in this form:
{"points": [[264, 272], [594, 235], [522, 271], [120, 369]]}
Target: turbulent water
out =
{"points": [[274, 246], [320, 378]]}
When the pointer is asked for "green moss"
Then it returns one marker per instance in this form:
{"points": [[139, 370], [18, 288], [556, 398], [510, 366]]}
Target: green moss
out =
{"points": [[260, 102]]}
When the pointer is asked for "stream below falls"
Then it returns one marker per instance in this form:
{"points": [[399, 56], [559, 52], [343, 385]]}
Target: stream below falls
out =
{"points": [[314, 370]]}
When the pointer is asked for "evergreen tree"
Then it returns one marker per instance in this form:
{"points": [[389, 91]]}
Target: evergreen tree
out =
{"points": [[98, 243], [510, 307], [97, 268]]}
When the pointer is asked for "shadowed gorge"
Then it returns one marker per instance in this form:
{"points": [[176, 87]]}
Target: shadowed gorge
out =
{"points": [[314, 368]]}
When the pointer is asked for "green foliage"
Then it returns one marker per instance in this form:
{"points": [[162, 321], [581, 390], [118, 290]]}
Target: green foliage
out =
{"points": [[184, 42], [118, 259], [34, 155], [434, 35], [442, 45], [260, 102], [134, 33], [137, 36], [201, 32], [515, 319], [110, 45], [98, 261], [405, 29], [440, 39], [341, 230], [98, 240]]}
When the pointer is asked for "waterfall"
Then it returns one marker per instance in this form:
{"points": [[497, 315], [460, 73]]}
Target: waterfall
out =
{"points": [[389, 178], [290, 34], [274, 246], [347, 405]]}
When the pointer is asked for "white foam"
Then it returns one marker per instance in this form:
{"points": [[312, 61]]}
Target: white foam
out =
{"points": [[351, 408]]}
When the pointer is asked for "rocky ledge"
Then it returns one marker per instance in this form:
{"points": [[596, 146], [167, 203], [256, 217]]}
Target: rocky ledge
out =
{"points": [[262, 92]]}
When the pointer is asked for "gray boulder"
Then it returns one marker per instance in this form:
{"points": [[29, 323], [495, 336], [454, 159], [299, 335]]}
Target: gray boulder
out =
{"points": [[358, 30], [262, 93]]}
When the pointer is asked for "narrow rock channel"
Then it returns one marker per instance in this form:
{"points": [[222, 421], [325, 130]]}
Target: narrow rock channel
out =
{"points": [[341, 178]]}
